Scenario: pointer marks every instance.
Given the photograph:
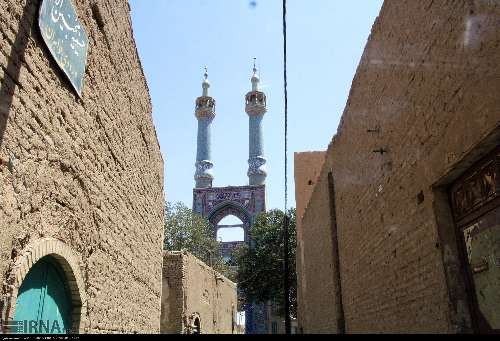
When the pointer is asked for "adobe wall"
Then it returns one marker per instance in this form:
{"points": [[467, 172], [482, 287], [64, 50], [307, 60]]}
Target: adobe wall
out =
{"points": [[172, 297], [87, 172], [317, 302], [197, 291], [307, 166], [426, 89]]}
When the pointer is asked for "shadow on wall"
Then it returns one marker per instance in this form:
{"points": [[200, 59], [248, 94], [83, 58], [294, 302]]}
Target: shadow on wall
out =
{"points": [[12, 70]]}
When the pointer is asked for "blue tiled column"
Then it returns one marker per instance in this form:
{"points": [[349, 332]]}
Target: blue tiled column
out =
{"points": [[256, 103], [204, 174], [205, 113]]}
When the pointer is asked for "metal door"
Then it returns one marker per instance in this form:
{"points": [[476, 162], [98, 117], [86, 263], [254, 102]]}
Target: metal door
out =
{"points": [[43, 305]]}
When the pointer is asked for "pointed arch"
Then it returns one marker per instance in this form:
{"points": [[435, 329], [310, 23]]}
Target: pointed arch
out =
{"points": [[228, 208], [69, 262]]}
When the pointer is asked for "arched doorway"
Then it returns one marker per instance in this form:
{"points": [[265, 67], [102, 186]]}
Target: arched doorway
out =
{"points": [[43, 303], [45, 276], [235, 214], [230, 230], [245, 203], [197, 326]]}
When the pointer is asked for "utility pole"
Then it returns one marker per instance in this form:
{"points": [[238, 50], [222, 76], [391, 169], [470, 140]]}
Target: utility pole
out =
{"points": [[286, 272]]}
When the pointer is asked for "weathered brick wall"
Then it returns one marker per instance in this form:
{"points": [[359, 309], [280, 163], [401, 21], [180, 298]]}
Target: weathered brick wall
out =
{"points": [[85, 171], [307, 166], [427, 82], [195, 289], [210, 295], [317, 302], [172, 297]]}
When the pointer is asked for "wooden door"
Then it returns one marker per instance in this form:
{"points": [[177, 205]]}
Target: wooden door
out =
{"points": [[475, 201]]}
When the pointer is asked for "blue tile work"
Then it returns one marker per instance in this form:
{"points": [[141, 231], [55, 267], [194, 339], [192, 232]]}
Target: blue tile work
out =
{"points": [[205, 113], [256, 107], [244, 202], [256, 319], [204, 174]]}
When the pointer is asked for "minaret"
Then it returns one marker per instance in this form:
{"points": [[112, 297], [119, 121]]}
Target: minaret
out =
{"points": [[205, 113], [256, 108]]}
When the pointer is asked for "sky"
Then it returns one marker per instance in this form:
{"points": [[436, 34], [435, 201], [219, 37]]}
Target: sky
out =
{"points": [[176, 39]]}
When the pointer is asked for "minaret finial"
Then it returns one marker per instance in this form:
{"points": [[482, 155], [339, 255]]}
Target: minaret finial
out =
{"points": [[255, 77], [206, 83]]}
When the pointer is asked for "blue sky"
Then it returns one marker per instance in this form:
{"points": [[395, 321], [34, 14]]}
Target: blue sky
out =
{"points": [[177, 38]]}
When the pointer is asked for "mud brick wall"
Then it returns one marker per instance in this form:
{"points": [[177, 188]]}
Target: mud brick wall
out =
{"points": [[307, 166], [427, 90], [192, 288], [172, 299], [316, 273], [88, 171]]}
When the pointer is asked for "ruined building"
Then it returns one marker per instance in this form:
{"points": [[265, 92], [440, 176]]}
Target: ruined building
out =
{"points": [[400, 226], [81, 174], [195, 298]]}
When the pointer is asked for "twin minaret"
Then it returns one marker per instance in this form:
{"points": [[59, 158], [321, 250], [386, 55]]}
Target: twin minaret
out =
{"points": [[205, 113]]}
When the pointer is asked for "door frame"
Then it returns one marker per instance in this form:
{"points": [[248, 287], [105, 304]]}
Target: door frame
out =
{"points": [[466, 215], [69, 262]]}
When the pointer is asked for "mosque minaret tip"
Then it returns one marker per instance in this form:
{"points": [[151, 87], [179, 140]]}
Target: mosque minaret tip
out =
{"points": [[205, 113], [256, 108]]}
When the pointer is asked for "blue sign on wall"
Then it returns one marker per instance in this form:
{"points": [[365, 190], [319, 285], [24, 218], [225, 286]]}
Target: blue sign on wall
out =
{"points": [[66, 39]]}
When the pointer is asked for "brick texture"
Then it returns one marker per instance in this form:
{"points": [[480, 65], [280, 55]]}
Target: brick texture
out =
{"points": [[427, 82], [193, 289], [307, 166], [87, 172]]}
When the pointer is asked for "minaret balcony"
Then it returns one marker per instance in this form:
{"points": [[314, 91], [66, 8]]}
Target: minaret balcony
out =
{"points": [[205, 107], [255, 103]]}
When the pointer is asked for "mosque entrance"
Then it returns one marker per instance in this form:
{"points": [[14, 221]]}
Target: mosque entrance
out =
{"points": [[242, 203], [230, 231], [475, 200], [230, 211], [44, 305]]}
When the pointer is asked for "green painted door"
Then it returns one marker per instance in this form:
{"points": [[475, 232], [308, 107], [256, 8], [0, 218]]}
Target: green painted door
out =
{"points": [[43, 303]]}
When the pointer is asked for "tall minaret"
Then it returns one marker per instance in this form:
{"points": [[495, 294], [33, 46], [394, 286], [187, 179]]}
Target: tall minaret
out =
{"points": [[205, 113], [256, 108]]}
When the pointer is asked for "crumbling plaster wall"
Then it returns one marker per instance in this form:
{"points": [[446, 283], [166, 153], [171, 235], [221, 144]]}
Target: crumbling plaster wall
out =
{"points": [[196, 290], [86, 171]]}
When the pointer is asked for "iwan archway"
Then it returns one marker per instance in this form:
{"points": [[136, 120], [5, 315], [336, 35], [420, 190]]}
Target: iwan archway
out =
{"points": [[243, 202], [228, 209]]}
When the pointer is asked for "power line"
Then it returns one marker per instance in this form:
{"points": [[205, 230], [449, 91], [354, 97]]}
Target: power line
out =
{"points": [[286, 103], [286, 275]]}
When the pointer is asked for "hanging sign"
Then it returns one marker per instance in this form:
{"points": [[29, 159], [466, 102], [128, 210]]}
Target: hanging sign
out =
{"points": [[66, 39]]}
